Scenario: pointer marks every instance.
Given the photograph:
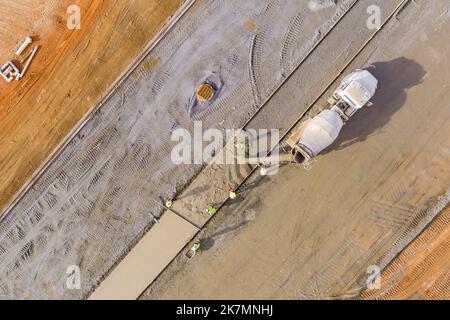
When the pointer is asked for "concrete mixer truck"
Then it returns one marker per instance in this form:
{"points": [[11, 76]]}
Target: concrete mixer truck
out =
{"points": [[315, 134]]}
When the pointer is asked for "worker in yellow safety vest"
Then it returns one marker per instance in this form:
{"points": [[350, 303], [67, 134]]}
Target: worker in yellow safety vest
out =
{"points": [[211, 210], [233, 194], [196, 247], [169, 203]]}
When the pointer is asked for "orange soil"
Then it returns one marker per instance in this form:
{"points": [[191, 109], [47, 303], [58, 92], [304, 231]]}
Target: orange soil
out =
{"points": [[422, 270]]}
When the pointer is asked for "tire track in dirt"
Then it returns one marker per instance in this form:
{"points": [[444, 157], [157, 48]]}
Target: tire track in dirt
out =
{"points": [[421, 270], [292, 42]]}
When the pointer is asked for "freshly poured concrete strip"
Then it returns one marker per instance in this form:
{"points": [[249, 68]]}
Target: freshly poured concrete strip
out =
{"points": [[147, 259]]}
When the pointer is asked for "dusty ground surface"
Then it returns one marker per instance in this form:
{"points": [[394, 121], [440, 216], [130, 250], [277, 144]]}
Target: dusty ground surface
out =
{"points": [[72, 71], [422, 270], [104, 189], [313, 234]]}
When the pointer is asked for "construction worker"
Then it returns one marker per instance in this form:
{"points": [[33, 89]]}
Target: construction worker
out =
{"points": [[262, 170], [169, 203], [194, 249], [211, 210], [233, 194], [196, 246]]}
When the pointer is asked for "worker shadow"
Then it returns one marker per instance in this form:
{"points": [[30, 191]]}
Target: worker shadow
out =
{"points": [[395, 77], [194, 191], [208, 243]]}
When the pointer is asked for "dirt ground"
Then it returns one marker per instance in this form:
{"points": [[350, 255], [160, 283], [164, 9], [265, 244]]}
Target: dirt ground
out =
{"points": [[314, 234], [144, 263], [296, 234], [72, 71], [104, 189], [422, 270]]}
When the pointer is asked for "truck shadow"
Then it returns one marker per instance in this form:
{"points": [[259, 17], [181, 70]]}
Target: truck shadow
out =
{"points": [[394, 78]]}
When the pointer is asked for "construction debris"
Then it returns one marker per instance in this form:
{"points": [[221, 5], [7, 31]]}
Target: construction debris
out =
{"points": [[9, 71], [24, 45]]}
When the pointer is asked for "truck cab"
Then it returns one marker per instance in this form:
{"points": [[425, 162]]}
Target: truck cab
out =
{"points": [[355, 92]]}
